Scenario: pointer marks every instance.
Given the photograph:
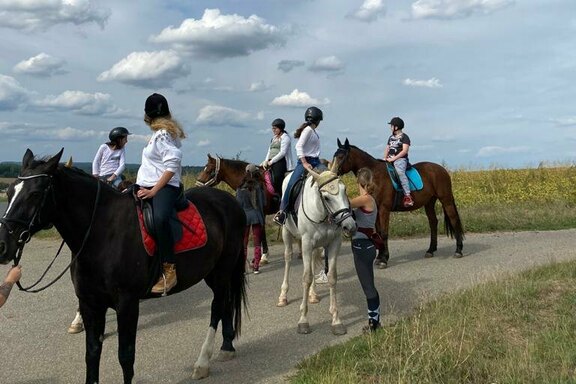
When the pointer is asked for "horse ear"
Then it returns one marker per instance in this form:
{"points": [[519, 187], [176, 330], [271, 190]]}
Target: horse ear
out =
{"points": [[339, 143], [209, 157], [53, 162], [346, 143], [69, 163], [27, 159]]}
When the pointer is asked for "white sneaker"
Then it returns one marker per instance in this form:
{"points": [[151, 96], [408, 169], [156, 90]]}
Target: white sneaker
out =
{"points": [[321, 278]]}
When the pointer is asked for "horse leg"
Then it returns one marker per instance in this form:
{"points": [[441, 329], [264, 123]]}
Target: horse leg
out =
{"points": [[433, 223], [127, 318], [287, 238], [383, 254], [77, 325], [264, 241], [307, 277], [337, 327], [94, 316], [454, 226], [318, 262]]}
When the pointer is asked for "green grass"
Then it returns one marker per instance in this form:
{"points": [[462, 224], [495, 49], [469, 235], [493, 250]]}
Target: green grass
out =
{"points": [[518, 330]]}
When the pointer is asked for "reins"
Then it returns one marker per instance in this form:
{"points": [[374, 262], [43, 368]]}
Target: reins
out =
{"points": [[330, 216], [22, 242]]}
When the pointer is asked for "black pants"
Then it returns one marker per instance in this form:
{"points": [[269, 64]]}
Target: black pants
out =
{"points": [[364, 253], [277, 171], [163, 204]]}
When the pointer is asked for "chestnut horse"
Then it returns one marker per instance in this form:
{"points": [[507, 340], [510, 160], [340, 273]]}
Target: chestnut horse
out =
{"points": [[437, 186]]}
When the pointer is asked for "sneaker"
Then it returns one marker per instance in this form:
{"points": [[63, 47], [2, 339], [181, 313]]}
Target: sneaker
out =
{"points": [[280, 218], [256, 271], [408, 202], [372, 326], [321, 278]]}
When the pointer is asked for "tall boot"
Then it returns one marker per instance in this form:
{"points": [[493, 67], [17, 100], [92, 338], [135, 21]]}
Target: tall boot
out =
{"points": [[167, 280]]}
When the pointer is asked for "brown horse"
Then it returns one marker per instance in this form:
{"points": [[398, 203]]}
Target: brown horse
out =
{"points": [[437, 186], [232, 172]]}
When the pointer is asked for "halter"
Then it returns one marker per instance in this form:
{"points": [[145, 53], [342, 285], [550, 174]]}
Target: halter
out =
{"points": [[25, 235], [214, 179], [331, 217], [339, 163]]}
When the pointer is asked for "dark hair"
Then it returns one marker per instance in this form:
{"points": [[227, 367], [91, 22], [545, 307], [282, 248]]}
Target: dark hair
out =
{"points": [[251, 182], [301, 128]]}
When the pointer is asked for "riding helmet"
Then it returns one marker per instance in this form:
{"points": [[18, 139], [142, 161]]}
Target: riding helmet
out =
{"points": [[313, 115], [279, 123], [251, 168], [156, 106], [397, 122], [117, 133]]}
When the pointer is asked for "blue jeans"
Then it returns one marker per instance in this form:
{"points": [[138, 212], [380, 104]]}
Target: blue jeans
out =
{"points": [[298, 171]]}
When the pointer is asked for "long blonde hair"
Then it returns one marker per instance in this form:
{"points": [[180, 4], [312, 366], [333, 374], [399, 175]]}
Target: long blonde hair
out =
{"points": [[167, 123], [365, 179]]}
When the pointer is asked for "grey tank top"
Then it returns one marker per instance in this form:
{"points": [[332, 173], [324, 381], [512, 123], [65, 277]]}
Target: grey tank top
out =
{"points": [[365, 219], [274, 148]]}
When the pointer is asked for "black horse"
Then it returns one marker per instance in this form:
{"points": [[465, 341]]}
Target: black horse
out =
{"points": [[110, 267]]}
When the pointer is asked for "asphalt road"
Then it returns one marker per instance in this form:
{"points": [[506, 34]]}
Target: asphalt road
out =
{"points": [[36, 348]]}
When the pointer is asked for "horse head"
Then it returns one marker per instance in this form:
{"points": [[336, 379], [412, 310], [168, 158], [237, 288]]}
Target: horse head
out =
{"points": [[340, 165], [209, 176], [31, 205], [335, 201]]}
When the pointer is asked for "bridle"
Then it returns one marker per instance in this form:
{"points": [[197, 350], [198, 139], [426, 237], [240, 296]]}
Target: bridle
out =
{"points": [[332, 217], [24, 237], [213, 180], [338, 164]]}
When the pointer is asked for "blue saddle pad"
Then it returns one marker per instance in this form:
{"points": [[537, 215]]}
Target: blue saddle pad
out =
{"points": [[414, 178]]}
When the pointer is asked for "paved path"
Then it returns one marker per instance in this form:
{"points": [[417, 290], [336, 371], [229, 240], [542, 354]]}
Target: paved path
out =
{"points": [[37, 350]]}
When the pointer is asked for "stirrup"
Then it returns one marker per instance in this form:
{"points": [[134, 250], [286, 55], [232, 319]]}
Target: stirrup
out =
{"points": [[280, 218]]}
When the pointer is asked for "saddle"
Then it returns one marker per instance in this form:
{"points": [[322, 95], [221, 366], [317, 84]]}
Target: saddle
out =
{"points": [[188, 229], [295, 194], [414, 179]]}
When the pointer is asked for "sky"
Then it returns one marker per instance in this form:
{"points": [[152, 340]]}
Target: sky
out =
{"points": [[479, 83]]}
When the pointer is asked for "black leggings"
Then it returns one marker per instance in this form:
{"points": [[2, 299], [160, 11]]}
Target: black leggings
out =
{"points": [[163, 205], [277, 171], [364, 253]]}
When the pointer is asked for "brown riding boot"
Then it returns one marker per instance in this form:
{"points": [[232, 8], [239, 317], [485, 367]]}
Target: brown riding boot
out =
{"points": [[167, 280]]}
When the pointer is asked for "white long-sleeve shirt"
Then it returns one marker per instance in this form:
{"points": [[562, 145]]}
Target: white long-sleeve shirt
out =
{"points": [[285, 152], [308, 144], [108, 161], [161, 154]]}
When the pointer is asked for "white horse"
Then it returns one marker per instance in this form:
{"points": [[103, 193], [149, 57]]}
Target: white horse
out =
{"points": [[323, 213]]}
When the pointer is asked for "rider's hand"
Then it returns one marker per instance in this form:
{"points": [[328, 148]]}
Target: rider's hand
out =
{"points": [[112, 178], [144, 193], [14, 274]]}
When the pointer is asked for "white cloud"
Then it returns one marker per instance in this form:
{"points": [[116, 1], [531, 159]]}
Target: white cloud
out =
{"points": [[455, 9], [298, 99], [147, 69], [203, 143], [327, 64], [430, 83], [33, 15], [288, 65], [79, 102], [42, 65], [258, 86], [220, 36], [369, 11], [216, 115], [495, 151], [565, 121], [38, 132], [12, 94]]}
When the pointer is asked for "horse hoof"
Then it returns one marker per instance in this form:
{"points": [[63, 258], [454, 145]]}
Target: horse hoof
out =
{"points": [[428, 255], [313, 299], [225, 355], [200, 373], [381, 265], [282, 303], [75, 328], [303, 328], [339, 329], [458, 255]]}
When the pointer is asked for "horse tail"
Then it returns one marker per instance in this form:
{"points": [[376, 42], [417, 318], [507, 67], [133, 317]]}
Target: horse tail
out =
{"points": [[237, 295], [450, 229]]}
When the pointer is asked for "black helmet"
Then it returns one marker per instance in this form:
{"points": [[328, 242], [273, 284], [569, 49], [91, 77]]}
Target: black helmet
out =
{"points": [[313, 115], [279, 123], [117, 133], [156, 106], [397, 122]]}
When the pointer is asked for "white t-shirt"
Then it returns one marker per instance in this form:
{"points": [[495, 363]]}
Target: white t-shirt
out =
{"points": [[108, 161], [162, 153], [308, 144]]}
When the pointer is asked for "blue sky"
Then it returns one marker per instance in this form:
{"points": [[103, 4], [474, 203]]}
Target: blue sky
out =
{"points": [[479, 83]]}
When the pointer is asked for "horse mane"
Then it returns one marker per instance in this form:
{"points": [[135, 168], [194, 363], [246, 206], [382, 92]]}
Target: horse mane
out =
{"points": [[367, 154]]}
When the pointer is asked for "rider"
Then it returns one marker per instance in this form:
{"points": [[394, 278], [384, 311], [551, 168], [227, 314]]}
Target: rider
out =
{"points": [[109, 162], [363, 249], [159, 176], [279, 155], [396, 152], [12, 277], [308, 152]]}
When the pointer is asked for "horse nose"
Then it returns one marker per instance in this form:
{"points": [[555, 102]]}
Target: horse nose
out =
{"points": [[3, 249]]}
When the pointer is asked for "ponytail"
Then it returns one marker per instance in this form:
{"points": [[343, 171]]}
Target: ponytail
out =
{"points": [[301, 128]]}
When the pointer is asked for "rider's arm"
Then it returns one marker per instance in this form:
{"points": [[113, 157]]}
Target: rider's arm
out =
{"points": [[12, 277]]}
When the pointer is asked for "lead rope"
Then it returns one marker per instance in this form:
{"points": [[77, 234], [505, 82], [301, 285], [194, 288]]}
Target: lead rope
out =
{"points": [[84, 241]]}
